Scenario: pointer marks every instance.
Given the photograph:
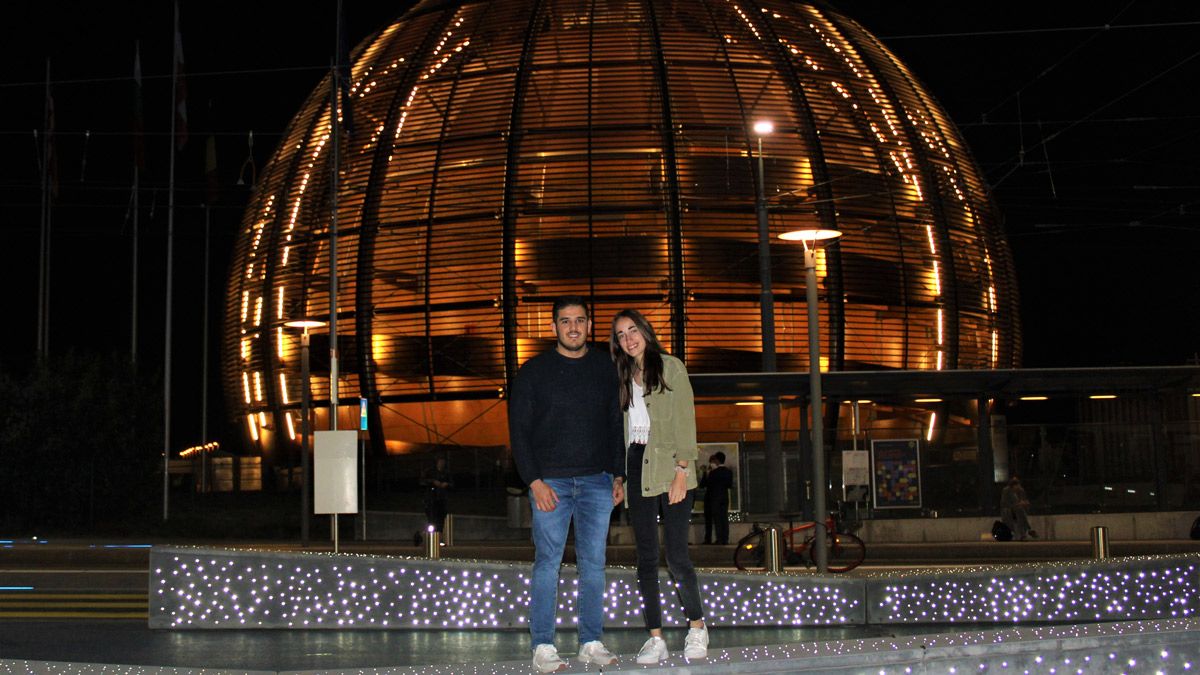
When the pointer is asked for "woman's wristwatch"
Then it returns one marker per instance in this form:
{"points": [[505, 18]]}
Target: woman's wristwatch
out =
{"points": [[681, 469]]}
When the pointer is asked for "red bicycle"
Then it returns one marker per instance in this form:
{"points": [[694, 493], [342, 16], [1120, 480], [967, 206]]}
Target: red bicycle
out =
{"points": [[845, 550]]}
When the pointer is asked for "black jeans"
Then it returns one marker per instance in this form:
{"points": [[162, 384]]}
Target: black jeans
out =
{"points": [[435, 511], [643, 514]]}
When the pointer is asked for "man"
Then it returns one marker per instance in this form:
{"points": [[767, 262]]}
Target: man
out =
{"points": [[437, 483], [564, 424], [716, 484], [1014, 509]]}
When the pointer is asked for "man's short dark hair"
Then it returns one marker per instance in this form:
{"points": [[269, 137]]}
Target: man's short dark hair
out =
{"points": [[719, 456], [564, 301]]}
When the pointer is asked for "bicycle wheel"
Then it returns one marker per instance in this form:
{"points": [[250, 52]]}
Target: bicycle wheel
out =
{"points": [[748, 554], [845, 552], [793, 552]]}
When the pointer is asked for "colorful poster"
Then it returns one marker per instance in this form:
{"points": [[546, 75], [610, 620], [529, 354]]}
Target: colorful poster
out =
{"points": [[896, 473]]}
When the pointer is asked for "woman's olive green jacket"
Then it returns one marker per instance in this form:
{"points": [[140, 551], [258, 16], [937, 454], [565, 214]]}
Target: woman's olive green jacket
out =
{"points": [[672, 432]]}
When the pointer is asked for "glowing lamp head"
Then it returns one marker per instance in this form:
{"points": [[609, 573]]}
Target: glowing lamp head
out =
{"points": [[810, 235], [304, 323], [764, 127]]}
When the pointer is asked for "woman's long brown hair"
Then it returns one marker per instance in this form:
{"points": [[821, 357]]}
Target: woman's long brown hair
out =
{"points": [[652, 362]]}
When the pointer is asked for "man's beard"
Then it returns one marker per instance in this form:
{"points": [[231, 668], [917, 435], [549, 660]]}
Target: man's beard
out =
{"points": [[582, 346]]}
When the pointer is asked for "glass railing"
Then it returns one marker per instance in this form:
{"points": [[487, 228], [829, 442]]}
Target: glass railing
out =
{"points": [[1065, 468]]}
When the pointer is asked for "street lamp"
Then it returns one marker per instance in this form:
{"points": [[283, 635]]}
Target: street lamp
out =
{"points": [[305, 436], [772, 448], [811, 237]]}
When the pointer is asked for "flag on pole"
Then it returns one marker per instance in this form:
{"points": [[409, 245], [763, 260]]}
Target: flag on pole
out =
{"points": [[181, 128], [212, 191], [87, 137], [139, 123], [248, 166], [342, 73], [51, 153]]}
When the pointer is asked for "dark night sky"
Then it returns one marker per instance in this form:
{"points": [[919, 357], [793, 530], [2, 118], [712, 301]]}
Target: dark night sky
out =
{"points": [[1100, 206]]}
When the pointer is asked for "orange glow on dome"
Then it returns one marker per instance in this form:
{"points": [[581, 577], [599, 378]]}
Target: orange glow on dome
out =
{"points": [[610, 154]]}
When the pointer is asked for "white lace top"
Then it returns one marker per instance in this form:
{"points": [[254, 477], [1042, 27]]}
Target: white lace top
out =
{"points": [[639, 416]]}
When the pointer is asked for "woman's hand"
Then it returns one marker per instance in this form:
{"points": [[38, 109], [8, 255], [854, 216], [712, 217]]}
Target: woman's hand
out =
{"points": [[678, 488]]}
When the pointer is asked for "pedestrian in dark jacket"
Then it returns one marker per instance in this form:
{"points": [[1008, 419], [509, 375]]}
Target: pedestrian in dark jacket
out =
{"points": [[716, 483]]}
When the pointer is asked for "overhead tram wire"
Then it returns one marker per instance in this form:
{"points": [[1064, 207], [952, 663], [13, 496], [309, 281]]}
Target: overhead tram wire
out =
{"points": [[1104, 120], [324, 68], [1033, 31], [1141, 85], [129, 78], [1046, 71], [1139, 119]]}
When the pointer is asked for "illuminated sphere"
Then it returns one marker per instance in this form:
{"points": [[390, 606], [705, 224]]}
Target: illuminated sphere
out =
{"points": [[498, 154]]}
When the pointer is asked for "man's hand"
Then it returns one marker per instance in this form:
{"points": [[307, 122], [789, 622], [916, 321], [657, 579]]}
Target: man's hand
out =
{"points": [[544, 496], [678, 488], [618, 491]]}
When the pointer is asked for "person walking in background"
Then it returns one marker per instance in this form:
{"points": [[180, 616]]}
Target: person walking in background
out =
{"points": [[564, 424], [660, 433], [716, 483], [437, 483], [1014, 510]]}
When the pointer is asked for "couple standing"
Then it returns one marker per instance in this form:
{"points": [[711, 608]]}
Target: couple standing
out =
{"points": [[566, 413]]}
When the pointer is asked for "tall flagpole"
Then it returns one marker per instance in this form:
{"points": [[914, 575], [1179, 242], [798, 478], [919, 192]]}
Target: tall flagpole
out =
{"points": [[335, 101], [138, 158], [204, 364], [177, 63], [44, 253], [333, 237], [133, 339]]}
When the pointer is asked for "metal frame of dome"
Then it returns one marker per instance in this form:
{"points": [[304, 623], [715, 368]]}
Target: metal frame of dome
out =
{"points": [[505, 152]]}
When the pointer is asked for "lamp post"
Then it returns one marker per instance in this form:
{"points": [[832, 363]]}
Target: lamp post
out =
{"points": [[305, 436], [772, 447], [810, 238]]}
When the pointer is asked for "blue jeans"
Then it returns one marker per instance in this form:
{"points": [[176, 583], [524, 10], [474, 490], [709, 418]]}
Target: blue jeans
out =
{"points": [[587, 500]]}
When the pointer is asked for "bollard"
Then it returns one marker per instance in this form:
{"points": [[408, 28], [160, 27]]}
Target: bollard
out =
{"points": [[773, 549], [448, 530], [433, 543], [1099, 542]]}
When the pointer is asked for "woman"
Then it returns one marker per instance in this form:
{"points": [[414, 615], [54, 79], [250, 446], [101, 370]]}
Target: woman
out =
{"points": [[660, 432]]}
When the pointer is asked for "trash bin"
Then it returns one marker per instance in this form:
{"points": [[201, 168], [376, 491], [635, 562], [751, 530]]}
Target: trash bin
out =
{"points": [[1099, 542], [773, 549], [433, 543], [518, 512]]}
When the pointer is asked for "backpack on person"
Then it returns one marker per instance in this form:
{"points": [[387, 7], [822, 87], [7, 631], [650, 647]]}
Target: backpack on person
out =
{"points": [[1001, 532]]}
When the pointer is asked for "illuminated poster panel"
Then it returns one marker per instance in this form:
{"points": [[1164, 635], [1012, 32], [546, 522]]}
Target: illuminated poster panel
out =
{"points": [[896, 473]]}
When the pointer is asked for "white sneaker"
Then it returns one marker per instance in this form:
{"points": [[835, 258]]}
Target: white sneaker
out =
{"points": [[546, 660], [695, 646], [595, 652], [654, 651]]}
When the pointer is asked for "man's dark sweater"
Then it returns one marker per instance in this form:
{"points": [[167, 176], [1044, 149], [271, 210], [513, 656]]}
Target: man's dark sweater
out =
{"points": [[564, 417]]}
